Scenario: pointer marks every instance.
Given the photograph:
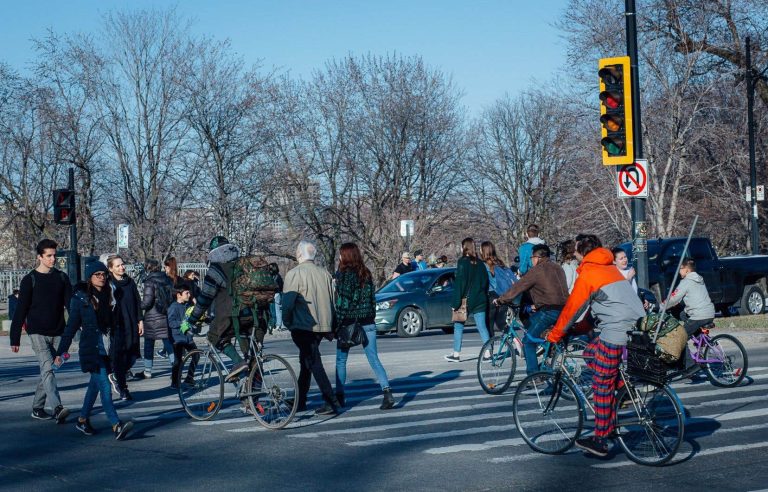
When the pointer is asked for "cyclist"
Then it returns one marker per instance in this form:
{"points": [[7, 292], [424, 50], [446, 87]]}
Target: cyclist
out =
{"points": [[549, 291], [215, 294], [602, 288], [699, 310]]}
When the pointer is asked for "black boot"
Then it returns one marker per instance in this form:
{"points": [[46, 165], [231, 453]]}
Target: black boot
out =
{"points": [[340, 398], [389, 400], [330, 408]]}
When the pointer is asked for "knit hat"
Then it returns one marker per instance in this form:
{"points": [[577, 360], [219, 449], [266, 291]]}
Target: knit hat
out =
{"points": [[94, 267], [216, 242]]}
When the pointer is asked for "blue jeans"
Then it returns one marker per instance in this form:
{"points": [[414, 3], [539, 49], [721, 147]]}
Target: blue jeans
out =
{"points": [[99, 384], [458, 330], [537, 323], [373, 360], [149, 352]]}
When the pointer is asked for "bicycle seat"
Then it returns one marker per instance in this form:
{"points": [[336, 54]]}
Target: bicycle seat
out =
{"points": [[708, 326]]}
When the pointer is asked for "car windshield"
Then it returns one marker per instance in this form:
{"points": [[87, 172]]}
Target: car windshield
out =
{"points": [[407, 283]]}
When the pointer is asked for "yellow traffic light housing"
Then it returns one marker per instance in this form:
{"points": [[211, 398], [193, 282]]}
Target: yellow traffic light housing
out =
{"points": [[616, 111]]}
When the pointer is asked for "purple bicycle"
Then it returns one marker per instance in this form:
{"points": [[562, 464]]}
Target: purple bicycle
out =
{"points": [[722, 357]]}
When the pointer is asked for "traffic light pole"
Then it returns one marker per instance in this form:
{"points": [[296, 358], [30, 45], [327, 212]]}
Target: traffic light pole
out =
{"points": [[639, 226], [755, 238], [74, 270]]}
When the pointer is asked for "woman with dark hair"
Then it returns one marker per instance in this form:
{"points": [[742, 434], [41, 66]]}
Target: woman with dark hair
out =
{"points": [[172, 270], [566, 253], [158, 295], [91, 310], [496, 315], [130, 325], [471, 284], [355, 303]]}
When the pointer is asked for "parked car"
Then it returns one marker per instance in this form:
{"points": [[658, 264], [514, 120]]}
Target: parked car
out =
{"points": [[738, 281], [417, 301]]}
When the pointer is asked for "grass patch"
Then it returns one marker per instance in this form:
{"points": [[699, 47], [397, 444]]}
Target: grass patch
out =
{"points": [[758, 322]]}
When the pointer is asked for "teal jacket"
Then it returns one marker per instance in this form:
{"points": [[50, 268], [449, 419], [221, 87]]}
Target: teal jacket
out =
{"points": [[472, 283]]}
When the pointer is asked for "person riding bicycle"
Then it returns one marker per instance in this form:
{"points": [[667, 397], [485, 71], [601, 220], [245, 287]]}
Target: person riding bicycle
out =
{"points": [[215, 293], [602, 288], [549, 290], [699, 310]]}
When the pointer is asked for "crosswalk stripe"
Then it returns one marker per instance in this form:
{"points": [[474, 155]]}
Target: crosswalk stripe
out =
{"points": [[736, 448]]}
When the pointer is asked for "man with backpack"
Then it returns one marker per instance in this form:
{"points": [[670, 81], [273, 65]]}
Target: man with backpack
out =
{"points": [[43, 294], [236, 291]]}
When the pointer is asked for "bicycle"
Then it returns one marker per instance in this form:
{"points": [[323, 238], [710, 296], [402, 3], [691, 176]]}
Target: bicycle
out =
{"points": [[649, 421], [497, 363], [722, 357], [270, 388]]}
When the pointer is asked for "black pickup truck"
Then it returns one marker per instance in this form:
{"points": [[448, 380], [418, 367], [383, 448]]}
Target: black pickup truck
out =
{"points": [[738, 282]]}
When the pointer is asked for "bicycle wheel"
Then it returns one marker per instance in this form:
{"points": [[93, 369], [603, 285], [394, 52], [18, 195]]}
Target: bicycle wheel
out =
{"points": [[547, 422], [727, 361], [649, 423], [273, 392], [495, 373], [577, 367], [201, 386]]}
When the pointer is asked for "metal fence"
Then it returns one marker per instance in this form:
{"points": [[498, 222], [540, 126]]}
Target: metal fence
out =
{"points": [[10, 279]]}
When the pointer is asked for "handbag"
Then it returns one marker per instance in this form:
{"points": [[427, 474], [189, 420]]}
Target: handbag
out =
{"points": [[350, 335], [460, 315]]}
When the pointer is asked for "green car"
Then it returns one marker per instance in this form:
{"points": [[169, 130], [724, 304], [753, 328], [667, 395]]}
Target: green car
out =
{"points": [[417, 301]]}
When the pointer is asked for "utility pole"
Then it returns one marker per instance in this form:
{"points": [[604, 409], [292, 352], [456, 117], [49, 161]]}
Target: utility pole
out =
{"points": [[752, 165], [74, 258], [639, 226]]}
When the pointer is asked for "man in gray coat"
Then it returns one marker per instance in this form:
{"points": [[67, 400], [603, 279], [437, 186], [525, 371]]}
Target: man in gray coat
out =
{"points": [[308, 313]]}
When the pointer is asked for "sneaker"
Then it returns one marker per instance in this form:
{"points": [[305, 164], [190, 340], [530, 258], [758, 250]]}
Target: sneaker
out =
{"points": [[138, 376], [237, 369], [84, 426], [487, 355], [41, 414], [189, 380], [147, 375], [122, 429], [113, 381], [162, 354], [125, 395], [326, 409], [593, 445], [452, 358], [60, 414]]}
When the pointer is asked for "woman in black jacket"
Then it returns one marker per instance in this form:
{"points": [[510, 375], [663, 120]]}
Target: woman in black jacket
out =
{"points": [[158, 295], [125, 342], [92, 310]]}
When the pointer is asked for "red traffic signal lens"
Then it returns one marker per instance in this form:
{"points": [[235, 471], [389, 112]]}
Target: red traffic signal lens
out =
{"points": [[612, 123], [611, 99], [611, 74]]}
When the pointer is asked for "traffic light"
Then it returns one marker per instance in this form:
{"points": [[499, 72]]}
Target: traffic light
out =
{"points": [[616, 111], [64, 206]]}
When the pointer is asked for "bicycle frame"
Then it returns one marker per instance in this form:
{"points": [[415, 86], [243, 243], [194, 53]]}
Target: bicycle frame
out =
{"points": [[701, 342]]}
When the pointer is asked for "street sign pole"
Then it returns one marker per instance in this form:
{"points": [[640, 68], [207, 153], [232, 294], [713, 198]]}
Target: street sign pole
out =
{"points": [[755, 238], [639, 227], [73, 263]]}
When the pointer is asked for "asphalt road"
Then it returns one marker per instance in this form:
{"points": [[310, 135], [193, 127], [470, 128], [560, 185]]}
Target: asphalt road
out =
{"points": [[444, 434]]}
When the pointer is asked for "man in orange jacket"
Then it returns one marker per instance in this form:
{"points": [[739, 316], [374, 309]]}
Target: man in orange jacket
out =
{"points": [[602, 288]]}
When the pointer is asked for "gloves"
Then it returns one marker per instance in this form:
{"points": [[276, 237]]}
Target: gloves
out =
{"points": [[185, 327]]}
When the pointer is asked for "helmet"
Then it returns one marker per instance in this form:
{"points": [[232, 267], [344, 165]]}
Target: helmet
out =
{"points": [[216, 242]]}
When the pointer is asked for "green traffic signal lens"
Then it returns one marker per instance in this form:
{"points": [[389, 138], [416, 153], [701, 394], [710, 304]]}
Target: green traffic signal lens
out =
{"points": [[612, 146]]}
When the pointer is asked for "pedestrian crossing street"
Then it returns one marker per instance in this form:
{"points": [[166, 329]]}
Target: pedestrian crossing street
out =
{"points": [[448, 413]]}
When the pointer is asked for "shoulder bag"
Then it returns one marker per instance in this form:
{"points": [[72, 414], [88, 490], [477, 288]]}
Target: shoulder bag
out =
{"points": [[460, 315]]}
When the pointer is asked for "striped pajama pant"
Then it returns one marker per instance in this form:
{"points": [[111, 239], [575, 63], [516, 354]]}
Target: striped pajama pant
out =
{"points": [[605, 366]]}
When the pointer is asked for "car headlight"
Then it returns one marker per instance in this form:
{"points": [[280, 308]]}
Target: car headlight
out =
{"points": [[381, 306]]}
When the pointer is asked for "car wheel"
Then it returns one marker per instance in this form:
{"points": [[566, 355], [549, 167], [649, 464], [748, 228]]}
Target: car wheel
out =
{"points": [[410, 322], [753, 301], [448, 330]]}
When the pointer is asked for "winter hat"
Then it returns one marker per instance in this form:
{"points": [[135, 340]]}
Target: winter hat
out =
{"points": [[94, 267], [216, 242]]}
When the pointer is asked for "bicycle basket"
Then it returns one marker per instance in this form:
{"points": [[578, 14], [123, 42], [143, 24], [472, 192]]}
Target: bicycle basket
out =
{"points": [[643, 362]]}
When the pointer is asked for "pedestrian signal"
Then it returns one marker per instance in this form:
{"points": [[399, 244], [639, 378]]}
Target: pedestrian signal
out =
{"points": [[64, 206], [616, 111]]}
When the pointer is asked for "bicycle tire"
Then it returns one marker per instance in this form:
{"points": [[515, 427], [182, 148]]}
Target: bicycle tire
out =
{"points": [[273, 392], [203, 400], [726, 373], [495, 373], [649, 427], [548, 423]]}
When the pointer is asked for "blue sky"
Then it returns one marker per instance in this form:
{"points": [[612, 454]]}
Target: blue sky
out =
{"points": [[490, 47]]}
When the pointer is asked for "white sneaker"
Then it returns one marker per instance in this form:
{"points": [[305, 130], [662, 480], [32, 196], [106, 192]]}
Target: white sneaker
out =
{"points": [[487, 355], [452, 358], [147, 375]]}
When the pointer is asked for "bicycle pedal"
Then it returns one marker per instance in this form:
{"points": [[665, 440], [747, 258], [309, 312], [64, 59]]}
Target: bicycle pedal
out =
{"points": [[260, 409], [211, 406]]}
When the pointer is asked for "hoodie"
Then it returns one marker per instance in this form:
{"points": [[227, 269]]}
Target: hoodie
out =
{"points": [[602, 288], [693, 292], [525, 251]]}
